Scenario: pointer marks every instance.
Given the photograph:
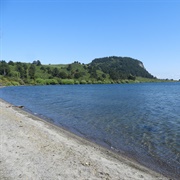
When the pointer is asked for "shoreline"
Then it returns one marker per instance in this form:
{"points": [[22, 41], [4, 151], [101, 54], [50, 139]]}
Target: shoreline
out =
{"points": [[36, 149]]}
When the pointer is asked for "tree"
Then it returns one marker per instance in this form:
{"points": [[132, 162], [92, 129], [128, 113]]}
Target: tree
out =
{"points": [[114, 75], [131, 77], [32, 70], [55, 72], [4, 68], [49, 70], [69, 68], [22, 68], [78, 75], [19, 69], [11, 63], [25, 70], [37, 63], [43, 68], [63, 75], [104, 76], [94, 74]]}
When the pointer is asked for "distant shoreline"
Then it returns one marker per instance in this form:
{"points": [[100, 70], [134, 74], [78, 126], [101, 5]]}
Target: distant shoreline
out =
{"points": [[105, 70], [38, 140], [73, 83]]}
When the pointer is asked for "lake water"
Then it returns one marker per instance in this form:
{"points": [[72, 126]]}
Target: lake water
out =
{"points": [[141, 121]]}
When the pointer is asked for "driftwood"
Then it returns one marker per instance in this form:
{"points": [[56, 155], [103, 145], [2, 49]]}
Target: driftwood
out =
{"points": [[16, 106]]}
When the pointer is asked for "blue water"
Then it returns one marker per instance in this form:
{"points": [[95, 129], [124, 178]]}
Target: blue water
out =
{"points": [[141, 121]]}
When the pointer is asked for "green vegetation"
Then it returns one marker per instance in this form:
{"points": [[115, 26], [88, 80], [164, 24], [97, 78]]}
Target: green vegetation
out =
{"points": [[100, 71]]}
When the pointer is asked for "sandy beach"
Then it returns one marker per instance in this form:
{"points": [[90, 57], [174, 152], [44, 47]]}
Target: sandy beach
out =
{"points": [[31, 148]]}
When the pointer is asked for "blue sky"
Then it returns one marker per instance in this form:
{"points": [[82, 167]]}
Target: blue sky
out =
{"points": [[64, 31]]}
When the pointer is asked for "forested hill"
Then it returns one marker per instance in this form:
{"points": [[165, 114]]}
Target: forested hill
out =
{"points": [[102, 70], [121, 67]]}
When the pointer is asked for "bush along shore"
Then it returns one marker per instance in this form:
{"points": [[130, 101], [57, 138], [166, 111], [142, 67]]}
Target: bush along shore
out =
{"points": [[107, 70]]}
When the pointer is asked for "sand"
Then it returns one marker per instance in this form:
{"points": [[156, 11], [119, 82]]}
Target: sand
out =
{"points": [[32, 148]]}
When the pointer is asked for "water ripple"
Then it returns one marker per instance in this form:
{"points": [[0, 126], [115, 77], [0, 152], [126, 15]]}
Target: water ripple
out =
{"points": [[139, 120]]}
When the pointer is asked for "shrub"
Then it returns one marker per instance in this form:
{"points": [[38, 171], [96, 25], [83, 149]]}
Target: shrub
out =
{"points": [[67, 81], [40, 81], [14, 83], [51, 81], [76, 82], [8, 83], [83, 82]]}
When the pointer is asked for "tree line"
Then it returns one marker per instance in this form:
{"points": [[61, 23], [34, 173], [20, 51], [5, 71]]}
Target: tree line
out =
{"points": [[102, 70]]}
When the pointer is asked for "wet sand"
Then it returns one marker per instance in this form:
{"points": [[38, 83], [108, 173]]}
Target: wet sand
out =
{"points": [[32, 148]]}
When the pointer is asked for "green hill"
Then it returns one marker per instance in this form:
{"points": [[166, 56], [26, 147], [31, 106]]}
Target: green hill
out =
{"points": [[121, 67], [101, 70]]}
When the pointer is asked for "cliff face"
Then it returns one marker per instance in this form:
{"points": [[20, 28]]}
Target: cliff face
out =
{"points": [[141, 65]]}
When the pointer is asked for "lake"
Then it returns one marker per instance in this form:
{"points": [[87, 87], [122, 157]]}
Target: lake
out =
{"points": [[141, 121]]}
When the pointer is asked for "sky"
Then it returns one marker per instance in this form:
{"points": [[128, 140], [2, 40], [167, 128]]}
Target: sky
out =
{"points": [[64, 31]]}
